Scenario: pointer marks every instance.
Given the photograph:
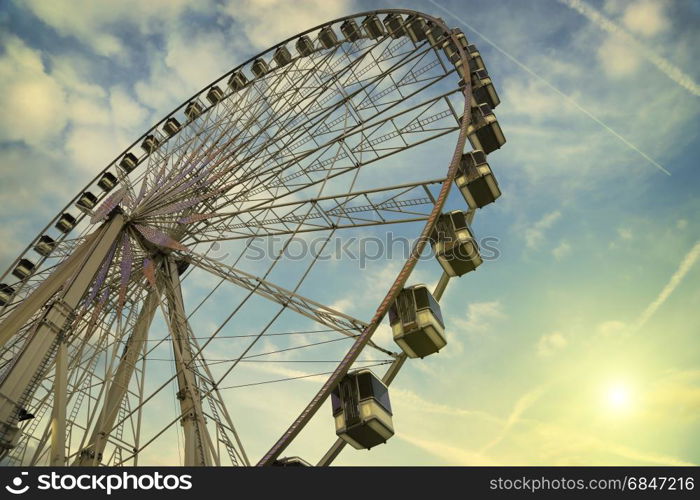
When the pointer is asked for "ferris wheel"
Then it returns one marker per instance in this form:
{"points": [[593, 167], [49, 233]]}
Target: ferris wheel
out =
{"points": [[133, 314]]}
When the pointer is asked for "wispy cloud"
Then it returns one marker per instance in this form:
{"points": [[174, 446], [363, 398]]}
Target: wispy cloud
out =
{"points": [[662, 63], [534, 235]]}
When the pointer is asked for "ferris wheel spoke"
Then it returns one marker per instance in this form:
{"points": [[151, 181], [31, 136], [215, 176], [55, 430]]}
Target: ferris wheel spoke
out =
{"points": [[416, 130], [334, 106], [311, 309], [380, 206]]}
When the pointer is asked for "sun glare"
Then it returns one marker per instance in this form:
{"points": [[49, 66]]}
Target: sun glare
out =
{"points": [[618, 397]]}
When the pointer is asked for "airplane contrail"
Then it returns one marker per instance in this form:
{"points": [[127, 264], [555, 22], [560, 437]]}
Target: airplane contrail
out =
{"points": [[672, 71], [683, 268]]}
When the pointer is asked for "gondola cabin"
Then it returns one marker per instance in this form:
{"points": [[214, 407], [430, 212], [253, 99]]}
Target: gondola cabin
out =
{"points": [[215, 94], [327, 37], [10, 438], [282, 56], [394, 25], [454, 244], [171, 126], [416, 322], [304, 46], [362, 410], [483, 89], [107, 182], [65, 223], [87, 201], [128, 163], [6, 293], [44, 245], [475, 61], [373, 26], [475, 180], [237, 81], [484, 132], [415, 27], [23, 269], [193, 110], [150, 143], [435, 35], [290, 462], [350, 30], [260, 67]]}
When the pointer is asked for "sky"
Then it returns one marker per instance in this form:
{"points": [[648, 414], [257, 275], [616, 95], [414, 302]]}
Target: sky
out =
{"points": [[577, 345]]}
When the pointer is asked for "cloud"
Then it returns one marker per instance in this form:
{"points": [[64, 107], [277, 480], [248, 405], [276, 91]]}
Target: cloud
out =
{"points": [[617, 57], [266, 22], [611, 328], [96, 26], [448, 452], [646, 18], [561, 250], [550, 344], [534, 235], [33, 103], [625, 233], [480, 317], [639, 21], [521, 406]]}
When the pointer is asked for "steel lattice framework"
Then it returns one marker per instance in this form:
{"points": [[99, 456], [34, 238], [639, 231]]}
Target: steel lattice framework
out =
{"points": [[274, 148]]}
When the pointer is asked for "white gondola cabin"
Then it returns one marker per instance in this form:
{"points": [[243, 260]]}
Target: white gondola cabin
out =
{"points": [[327, 38], [172, 126], [483, 89], [373, 26], [107, 182], [476, 181], [282, 56], [304, 46], [10, 436], [87, 201], [65, 223], [350, 30], [6, 293], [484, 132], [214, 94], [23, 269], [394, 25], [260, 67], [454, 244], [150, 143], [44, 245], [237, 81], [362, 410], [435, 35], [193, 110], [475, 61], [291, 462], [128, 163], [416, 322], [416, 28]]}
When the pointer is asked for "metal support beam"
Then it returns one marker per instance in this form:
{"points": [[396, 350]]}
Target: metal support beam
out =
{"points": [[93, 452], [48, 288], [36, 355], [198, 443], [58, 413]]}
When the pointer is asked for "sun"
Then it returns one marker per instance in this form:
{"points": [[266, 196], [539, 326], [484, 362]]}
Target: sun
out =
{"points": [[618, 397]]}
